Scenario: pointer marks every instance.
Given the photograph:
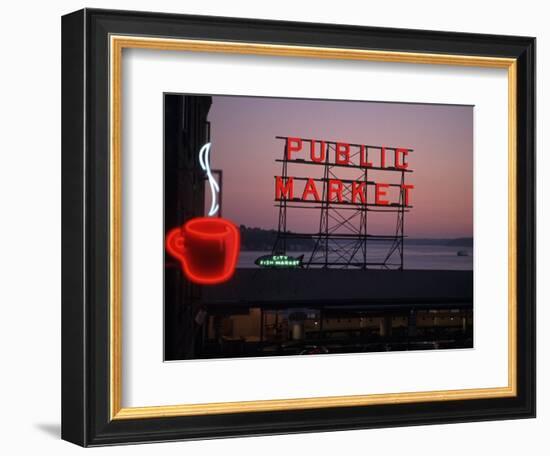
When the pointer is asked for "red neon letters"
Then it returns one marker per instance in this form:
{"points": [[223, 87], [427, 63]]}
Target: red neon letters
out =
{"points": [[322, 150], [344, 154], [342, 192], [207, 248], [293, 145], [380, 190]]}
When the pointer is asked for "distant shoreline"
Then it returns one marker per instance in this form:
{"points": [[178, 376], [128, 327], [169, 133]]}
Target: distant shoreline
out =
{"points": [[462, 242], [259, 239]]}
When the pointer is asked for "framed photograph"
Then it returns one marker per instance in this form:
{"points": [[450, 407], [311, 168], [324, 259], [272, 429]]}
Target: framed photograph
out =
{"points": [[279, 227]]}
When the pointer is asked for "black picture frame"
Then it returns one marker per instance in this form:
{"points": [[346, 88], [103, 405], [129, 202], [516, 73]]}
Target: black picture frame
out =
{"points": [[86, 416]]}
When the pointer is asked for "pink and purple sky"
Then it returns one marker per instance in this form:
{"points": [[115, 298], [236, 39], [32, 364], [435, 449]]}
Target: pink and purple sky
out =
{"points": [[245, 148]]}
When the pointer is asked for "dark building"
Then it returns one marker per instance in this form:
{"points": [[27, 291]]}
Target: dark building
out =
{"points": [[314, 311], [186, 130]]}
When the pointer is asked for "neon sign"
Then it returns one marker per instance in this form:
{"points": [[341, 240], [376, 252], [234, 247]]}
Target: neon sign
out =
{"points": [[207, 247], [204, 160], [341, 191], [279, 261]]}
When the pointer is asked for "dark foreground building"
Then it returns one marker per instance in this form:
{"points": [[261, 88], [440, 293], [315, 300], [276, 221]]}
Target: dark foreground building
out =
{"points": [[186, 130], [290, 312], [263, 312]]}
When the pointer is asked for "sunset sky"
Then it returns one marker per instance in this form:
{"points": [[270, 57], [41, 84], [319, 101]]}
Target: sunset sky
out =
{"points": [[245, 148]]}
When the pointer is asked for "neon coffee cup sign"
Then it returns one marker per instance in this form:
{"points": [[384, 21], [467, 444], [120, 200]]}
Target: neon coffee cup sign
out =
{"points": [[207, 247]]}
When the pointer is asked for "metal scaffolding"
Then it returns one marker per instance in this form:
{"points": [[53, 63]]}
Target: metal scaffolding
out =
{"points": [[343, 238]]}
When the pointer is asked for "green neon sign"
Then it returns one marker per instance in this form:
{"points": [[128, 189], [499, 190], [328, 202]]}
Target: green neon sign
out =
{"points": [[279, 261]]}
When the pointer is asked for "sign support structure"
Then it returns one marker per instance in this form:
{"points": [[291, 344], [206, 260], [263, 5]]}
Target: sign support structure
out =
{"points": [[343, 238]]}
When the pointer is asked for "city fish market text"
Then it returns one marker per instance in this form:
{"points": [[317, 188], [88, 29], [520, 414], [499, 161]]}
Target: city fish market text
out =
{"points": [[279, 261], [341, 154]]}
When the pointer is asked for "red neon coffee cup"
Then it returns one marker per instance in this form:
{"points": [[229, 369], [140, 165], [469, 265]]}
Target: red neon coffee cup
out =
{"points": [[208, 249]]}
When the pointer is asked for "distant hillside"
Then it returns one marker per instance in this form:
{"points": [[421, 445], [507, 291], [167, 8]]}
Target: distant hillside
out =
{"points": [[264, 240], [258, 239]]}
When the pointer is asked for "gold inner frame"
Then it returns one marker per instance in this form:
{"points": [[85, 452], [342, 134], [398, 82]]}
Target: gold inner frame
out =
{"points": [[117, 44]]}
